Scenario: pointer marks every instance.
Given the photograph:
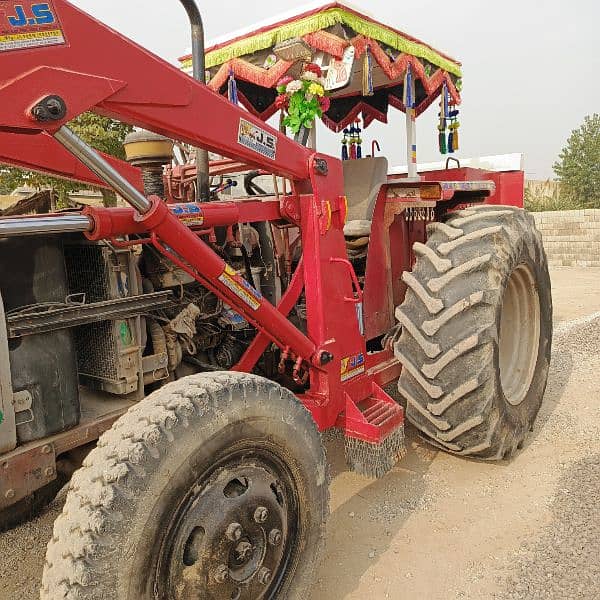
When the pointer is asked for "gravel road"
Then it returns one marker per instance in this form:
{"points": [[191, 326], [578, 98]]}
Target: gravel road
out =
{"points": [[438, 527]]}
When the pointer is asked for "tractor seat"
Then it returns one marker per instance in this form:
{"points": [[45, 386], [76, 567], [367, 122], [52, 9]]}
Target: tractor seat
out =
{"points": [[363, 179]]}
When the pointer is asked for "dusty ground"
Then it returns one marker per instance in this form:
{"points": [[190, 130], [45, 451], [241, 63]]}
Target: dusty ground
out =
{"points": [[440, 527]]}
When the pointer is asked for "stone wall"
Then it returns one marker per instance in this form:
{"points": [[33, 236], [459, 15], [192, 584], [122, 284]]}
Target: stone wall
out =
{"points": [[571, 237]]}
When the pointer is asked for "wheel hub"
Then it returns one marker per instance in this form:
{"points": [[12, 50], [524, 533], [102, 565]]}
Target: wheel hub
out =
{"points": [[231, 537], [519, 334]]}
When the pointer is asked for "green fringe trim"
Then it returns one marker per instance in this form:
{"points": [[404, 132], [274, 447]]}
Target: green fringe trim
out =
{"points": [[324, 20]]}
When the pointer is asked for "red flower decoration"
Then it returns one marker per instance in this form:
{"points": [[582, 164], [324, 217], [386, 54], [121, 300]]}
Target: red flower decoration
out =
{"points": [[325, 103], [281, 101], [316, 69]]}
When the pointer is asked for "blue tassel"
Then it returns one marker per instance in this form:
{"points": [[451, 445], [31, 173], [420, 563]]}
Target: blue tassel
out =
{"points": [[446, 102], [358, 151], [345, 145], [451, 142], [409, 101], [232, 92]]}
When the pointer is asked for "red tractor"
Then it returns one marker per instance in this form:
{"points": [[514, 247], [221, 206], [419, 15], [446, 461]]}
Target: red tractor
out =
{"points": [[205, 341]]}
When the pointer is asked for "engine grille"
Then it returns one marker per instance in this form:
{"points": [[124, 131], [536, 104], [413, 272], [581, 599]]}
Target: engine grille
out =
{"points": [[97, 351], [89, 272], [107, 354]]}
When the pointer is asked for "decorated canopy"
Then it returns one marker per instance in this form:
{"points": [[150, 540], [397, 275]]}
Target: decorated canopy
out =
{"points": [[354, 51]]}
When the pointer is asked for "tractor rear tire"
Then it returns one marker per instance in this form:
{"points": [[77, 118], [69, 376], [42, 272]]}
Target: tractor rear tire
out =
{"points": [[214, 486], [476, 335]]}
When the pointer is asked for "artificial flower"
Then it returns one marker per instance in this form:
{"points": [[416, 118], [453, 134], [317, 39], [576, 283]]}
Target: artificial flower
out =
{"points": [[325, 103], [313, 68], [281, 101], [284, 81], [309, 76], [316, 89], [293, 86]]}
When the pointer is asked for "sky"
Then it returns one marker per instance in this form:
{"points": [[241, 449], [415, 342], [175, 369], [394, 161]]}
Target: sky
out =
{"points": [[531, 69]]}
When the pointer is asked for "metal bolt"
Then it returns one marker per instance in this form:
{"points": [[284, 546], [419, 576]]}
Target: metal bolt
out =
{"points": [[234, 532], [54, 107], [261, 514], [326, 358], [244, 550], [39, 113], [275, 537], [49, 471], [221, 573], [51, 108], [47, 449], [264, 576], [10, 494]]}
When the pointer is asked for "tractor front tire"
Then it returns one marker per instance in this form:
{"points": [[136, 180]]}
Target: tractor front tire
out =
{"points": [[214, 486], [476, 335]]}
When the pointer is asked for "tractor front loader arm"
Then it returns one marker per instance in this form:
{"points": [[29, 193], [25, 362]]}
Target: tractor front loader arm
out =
{"points": [[79, 64], [71, 63], [75, 64], [44, 154]]}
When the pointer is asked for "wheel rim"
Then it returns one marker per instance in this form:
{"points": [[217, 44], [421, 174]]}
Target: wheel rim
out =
{"points": [[233, 535], [519, 334]]}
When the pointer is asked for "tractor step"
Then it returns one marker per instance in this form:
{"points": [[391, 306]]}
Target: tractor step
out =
{"points": [[374, 433]]}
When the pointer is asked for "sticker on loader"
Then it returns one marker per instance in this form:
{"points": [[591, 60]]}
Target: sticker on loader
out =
{"points": [[352, 366], [189, 213], [241, 288], [29, 24], [257, 139]]}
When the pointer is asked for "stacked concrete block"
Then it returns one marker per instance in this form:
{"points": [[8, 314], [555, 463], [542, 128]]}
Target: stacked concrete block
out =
{"points": [[571, 237]]}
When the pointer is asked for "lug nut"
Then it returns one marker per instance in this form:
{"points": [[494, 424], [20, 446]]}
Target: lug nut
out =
{"points": [[244, 551], [275, 537], [49, 471], [47, 449], [221, 573], [264, 576], [234, 532], [10, 494], [261, 514]]}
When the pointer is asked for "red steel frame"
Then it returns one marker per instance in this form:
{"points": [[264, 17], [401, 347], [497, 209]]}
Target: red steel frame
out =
{"points": [[127, 83]]}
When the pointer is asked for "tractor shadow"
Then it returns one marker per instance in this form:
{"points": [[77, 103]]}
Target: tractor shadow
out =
{"points": [[561, 370], [367, 515]]}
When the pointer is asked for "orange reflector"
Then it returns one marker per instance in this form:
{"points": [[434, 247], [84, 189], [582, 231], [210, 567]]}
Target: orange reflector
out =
{"points": [[430, 192], [344, 208]]}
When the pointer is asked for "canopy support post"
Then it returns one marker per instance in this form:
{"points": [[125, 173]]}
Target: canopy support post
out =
{"points": [[411, 127], [312, 136]]}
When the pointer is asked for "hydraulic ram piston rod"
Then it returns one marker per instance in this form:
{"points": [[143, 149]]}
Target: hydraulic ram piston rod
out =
{"points": [[44, 225], [91, 159]]}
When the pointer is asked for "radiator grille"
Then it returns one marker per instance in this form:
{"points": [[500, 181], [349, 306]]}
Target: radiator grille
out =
{"points": [[97, 350], [88, 268], [104, 350]]}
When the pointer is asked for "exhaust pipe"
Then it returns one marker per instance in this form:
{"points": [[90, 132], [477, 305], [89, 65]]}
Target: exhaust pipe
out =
{"points": [[198, 64]]}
